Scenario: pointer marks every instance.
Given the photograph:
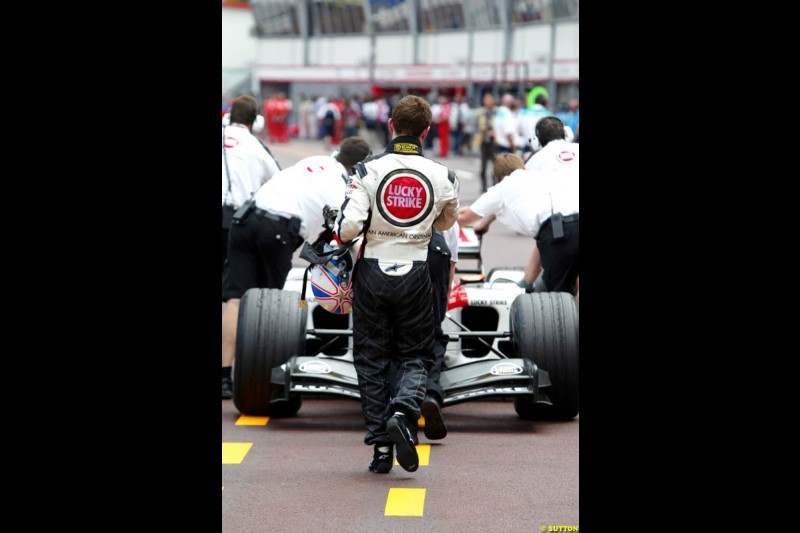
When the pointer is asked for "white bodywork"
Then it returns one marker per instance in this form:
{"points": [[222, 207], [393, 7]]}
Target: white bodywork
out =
{"points": [[497, 292]]}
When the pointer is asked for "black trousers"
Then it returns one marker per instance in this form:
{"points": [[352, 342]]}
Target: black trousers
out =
{"points": [[560, 258], [392, 321], [259, 254], [439, 266], [487, 154], [227, 214]]}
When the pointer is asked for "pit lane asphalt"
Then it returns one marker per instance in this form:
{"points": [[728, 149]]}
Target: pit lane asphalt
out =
{"points": [[492, 473]]}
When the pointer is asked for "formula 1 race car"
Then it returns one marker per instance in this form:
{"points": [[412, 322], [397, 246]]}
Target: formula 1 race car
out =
{"points": [[504, 342]]}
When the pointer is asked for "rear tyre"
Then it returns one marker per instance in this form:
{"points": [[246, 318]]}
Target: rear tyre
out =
{"points": [[271, 329], [544, 329]]}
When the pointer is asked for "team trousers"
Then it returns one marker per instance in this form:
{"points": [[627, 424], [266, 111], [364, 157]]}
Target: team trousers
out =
{"points": [[439, 266], [392, 321], [260, 251], [560, 258]]}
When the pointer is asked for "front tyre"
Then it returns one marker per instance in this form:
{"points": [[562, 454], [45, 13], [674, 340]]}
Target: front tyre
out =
{"points": [[544, 328], [271, 330]]}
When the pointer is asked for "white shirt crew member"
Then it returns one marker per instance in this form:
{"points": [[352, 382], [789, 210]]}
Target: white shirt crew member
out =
{"points": [[329, 106], [526, 198], [555, 155], [249, 165], [303, 190], [528, 118], [505, 123]]}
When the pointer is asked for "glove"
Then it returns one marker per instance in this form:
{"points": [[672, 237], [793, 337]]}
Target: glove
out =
{"points": [[525, 285], [329, 215]]}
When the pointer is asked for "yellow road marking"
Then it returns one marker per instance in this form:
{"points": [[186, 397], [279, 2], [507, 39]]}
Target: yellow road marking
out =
{"points": [[245, 420], [424, 453], [233, 453], [405, 502]]}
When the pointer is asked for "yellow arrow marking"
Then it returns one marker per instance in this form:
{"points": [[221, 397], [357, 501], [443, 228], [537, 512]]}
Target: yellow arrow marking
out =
{"points": [[233, 453], [405, 502], [245, 420]]}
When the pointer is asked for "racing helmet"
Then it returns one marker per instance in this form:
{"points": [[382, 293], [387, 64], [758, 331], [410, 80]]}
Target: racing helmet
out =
{"points": [[332, 282]]}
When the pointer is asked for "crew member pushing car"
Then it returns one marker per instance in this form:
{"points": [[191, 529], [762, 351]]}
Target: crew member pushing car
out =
{"points": [[285, 211]]}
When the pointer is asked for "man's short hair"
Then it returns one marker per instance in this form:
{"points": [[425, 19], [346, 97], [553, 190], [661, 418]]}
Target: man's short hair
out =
{"points": [[244, 110], [411, 115], [352, 150], [549, 129], [505, 164]]}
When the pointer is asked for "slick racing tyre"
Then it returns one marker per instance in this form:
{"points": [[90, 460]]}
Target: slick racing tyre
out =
{"points": [[271, 329], [544, 328]]}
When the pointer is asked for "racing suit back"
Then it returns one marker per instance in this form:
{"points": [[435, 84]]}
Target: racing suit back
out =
{"points": [[400, 196], [395, 198]]}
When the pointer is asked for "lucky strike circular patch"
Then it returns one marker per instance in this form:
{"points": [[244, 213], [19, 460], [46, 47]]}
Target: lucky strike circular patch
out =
{"points": [[404, 197], [566, 156]]}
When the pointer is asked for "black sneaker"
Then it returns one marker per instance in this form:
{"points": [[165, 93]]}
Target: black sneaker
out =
{"points": [[381, 461], [413, 426], [434, 421], [227, 388], [403, 439]]}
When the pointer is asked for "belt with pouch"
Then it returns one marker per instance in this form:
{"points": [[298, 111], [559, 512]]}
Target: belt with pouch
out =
{"points": [[557, 220], [275, 218], [293, 223]]}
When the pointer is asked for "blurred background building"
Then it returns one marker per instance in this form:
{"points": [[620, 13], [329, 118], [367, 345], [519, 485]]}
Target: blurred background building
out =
{"points": [[335, 48]]}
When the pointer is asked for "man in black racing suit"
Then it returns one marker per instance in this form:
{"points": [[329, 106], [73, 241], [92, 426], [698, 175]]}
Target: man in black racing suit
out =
{"points": [[395, 199]]}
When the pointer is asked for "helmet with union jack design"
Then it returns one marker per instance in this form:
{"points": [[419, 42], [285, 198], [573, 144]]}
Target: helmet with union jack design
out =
{"points": [[332, 282]]}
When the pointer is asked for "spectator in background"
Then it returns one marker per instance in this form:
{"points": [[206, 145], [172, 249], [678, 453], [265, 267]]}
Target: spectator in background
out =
{"points": [[307, 121], [459, 113], [328, 116], [318, 103], [369, 112], [383, 112], [570, 117], [529, 118], [279, 108], [506, 126], [486, 115], [441, 118], [434, 131], [352, 117]]}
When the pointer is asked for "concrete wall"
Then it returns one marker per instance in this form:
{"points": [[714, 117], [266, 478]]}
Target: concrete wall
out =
{"points": [[441, 56], [238, 43], [444, 48]]}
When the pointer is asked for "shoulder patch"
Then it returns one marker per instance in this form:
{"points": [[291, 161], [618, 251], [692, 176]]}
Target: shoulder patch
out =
{"points": [[361, 169], [451, 175]]}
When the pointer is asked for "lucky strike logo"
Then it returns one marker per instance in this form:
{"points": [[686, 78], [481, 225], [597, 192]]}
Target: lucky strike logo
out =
{"points": [[231, 142], [565, 156], [405, 197]]}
